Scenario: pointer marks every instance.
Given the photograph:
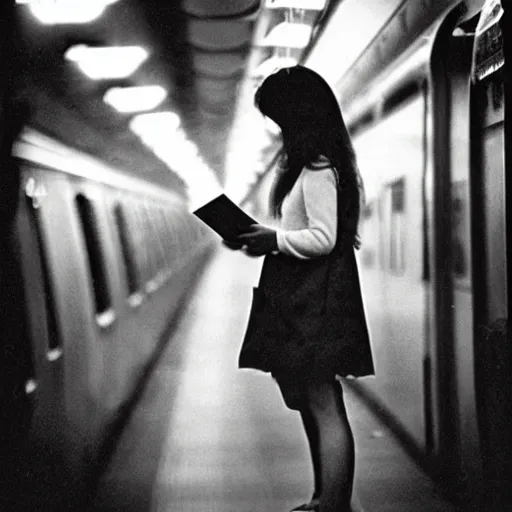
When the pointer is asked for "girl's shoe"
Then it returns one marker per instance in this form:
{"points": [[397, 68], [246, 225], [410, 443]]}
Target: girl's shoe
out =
{"points": [[313, 506]]}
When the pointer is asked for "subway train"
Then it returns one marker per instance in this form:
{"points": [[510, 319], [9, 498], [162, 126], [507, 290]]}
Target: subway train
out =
{"points": [[428, 130], [106, 261], [431, 142]]}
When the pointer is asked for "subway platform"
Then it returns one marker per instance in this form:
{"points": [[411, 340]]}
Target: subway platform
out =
{"points": [[207, 437]]}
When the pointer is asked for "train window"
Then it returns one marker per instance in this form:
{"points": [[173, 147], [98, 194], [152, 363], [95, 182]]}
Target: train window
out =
{"points": [[392, 158], [169, 236], [164, 237], [177, 233], [157, 239], [367, 233], [150, 245], [126, 249], [54, 340], [361, 123], [399, 96], [163, 234], [140, 239], [396, 260], [94, 253], [367, 211]]}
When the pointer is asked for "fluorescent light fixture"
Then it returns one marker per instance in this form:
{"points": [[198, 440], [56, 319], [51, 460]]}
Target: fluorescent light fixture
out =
{"points": [[288, 35], [52, 12], [154, 127], [273, 64], [107, 62], [309, 5], [135, 99], [162, 135], [160, 132]]}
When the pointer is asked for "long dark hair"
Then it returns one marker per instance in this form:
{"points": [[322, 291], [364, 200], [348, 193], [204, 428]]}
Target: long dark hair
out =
{"points": [[314, 134]]}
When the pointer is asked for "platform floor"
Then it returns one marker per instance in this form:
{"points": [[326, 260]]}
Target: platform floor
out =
{"points": [[207, 437]]}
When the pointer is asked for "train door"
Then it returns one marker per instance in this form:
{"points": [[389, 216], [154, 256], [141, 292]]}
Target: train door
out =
{"points": [[470, 285], [448, 274], [489, 229], [467, 459]]}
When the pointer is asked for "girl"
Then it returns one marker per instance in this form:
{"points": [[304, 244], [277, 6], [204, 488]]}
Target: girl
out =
{"points": [[307, 323]]}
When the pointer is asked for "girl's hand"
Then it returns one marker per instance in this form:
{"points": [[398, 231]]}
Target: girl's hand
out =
{"points": [[234, 246], [259, 240]]}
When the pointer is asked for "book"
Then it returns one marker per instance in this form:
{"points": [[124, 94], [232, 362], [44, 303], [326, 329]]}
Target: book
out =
{"points": [[224, 217]]}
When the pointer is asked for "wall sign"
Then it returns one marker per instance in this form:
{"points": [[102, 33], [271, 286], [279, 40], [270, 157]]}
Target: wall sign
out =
{"points": [[488, 54]]}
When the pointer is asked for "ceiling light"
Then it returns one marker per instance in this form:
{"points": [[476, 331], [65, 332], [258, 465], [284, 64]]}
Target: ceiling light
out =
{"points": [[107, 62], [155, 126], [310, 5], [135, 99], [164, 138], [52, 12], [288, 35], [177, 153]]}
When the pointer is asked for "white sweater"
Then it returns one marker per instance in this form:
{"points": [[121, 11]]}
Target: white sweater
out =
{"points": [[309, 215]]}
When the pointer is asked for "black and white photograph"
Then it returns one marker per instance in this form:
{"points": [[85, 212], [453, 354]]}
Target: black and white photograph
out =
{"points": [[253, 256]]}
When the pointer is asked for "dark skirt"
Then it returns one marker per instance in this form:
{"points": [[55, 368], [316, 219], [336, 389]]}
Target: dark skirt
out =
{"points": [[307, 318]]}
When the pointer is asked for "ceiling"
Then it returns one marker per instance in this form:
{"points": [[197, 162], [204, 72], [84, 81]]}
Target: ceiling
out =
{"points": [[203, 52]]}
